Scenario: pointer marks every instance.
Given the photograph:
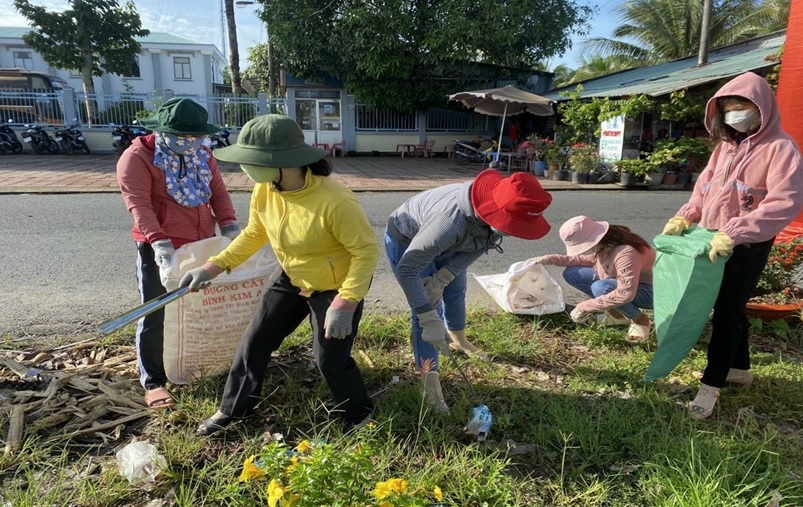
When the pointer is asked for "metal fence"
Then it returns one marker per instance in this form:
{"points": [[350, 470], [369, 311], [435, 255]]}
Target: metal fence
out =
{"points": [[371, 119], [23, 107], [444, 120]]}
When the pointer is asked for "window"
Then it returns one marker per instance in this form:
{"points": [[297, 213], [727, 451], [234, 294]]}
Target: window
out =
{"points": [[181, 67], [133, 68], [23, 59]]}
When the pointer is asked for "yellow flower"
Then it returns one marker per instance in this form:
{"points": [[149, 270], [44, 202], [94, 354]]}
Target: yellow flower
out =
{"points": [[288, 502], [381, 490], [293, 464], [437, 493], [275, 492], [390, 486], [385, 504], [251, 470], [304, 446]]}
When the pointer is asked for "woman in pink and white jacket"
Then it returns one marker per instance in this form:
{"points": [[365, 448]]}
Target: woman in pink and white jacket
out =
{"points": [[750, 190], [613, 266]]}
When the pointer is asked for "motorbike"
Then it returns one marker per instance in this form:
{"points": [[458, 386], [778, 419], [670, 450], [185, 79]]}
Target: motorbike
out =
{"points": [[220, 139], [124, 135], [70, 139], [39, 140], [473, 151], [8, 140]]}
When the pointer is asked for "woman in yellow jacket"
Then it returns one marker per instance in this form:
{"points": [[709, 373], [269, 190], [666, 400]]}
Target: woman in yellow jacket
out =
{"points": [[327, 251]]}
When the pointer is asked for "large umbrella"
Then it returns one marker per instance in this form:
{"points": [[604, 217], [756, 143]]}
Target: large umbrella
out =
{"points": [[504, 101]]}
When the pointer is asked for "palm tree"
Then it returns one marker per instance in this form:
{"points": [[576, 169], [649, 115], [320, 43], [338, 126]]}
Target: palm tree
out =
{"points": [[661, 30], [563, 75], [596, 65]]}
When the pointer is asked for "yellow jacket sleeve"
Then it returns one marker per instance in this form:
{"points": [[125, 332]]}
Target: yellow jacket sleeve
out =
{"points": [[250, 240], [351, 228]]}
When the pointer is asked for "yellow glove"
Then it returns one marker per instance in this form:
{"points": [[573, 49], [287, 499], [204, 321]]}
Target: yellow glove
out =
{"points": [[721, 245], [676, 226]]}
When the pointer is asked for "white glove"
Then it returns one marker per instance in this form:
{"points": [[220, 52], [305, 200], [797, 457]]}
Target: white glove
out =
{"points": [[433, 331], [231, 230], [196, 279], [435, 284], [339, 316], [579, 316], [538, 260], [163, 252]]}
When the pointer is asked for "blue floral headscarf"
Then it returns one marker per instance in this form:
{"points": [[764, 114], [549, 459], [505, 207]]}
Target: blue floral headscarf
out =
{"points": [[185, 163]]}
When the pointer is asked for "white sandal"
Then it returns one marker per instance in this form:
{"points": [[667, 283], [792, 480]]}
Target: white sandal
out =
{"points": [[703, 405], [606, 319], [638, 333]]}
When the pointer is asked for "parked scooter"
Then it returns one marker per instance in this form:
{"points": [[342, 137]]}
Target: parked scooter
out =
{"points": [[124, 135], [473, 151], [220, 139], [70, 139], [8, 140], [39, 140]]}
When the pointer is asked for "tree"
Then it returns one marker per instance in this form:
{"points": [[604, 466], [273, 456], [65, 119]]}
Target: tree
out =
{"points": [[234, 52], [406, 54], [655, 31], [92, 36], [596, 65]]}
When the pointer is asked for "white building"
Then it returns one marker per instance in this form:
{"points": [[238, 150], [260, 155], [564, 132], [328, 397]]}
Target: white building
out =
{"points": [[167, 62]]}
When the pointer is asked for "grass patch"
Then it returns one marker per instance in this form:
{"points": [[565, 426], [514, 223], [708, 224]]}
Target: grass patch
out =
{"points": [[574, 426]]}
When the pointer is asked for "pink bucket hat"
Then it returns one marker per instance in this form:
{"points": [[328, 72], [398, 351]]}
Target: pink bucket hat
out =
{"points": [[581, 234]]}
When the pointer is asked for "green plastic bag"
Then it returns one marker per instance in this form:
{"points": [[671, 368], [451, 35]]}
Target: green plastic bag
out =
{"points": [[685, 288]]}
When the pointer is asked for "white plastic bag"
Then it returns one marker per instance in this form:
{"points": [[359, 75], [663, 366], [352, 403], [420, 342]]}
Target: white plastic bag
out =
{"points": [[526, 289], [202, 329], [140, 462]]}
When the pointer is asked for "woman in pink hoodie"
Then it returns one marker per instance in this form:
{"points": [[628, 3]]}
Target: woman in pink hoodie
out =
{"points": [[750, 190]]}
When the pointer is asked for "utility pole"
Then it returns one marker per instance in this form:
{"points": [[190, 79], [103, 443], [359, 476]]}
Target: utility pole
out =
{"points": [[234, 53], [705, 30]]}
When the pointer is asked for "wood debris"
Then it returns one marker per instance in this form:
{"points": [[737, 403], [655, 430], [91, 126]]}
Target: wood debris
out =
{"points": [[82, 394]]}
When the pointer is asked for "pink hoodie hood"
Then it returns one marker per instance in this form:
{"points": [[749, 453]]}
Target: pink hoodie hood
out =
{"points": [[749, 190], [755, 89]]}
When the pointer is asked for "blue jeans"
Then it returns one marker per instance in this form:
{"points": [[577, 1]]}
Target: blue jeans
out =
{"points": [[585, 279], [452, 309]]}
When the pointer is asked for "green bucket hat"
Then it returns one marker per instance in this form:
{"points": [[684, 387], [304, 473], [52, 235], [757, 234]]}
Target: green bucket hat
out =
{"points": [[180, 116], [271, 140]]}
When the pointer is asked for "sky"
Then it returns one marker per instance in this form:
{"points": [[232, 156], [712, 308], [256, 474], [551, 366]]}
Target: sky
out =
{"points": [[202, 21]]}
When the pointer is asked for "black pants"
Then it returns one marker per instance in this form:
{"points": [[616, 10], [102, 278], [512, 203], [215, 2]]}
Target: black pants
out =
{"points": [[150, 329], [279, 313], [729, 347]]}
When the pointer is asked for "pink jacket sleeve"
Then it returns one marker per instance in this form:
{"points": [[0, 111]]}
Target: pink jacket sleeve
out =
{"points": [[693, 210], [221, 203], [566, 260], [134, 178], [628, 264]]}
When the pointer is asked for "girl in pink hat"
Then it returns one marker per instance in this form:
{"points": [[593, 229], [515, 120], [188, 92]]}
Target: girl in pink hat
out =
{"points": [[613, 266]]}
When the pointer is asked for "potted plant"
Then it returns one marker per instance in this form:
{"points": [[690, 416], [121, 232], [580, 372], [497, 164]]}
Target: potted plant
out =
{"points": [[776, 295], [539, 145], [583, 159], [554, 155], [629, 170], [664, 160], [696, 150]]}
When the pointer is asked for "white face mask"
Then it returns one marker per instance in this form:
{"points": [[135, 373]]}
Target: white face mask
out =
{"points": [[260, 174], [741, 120]]}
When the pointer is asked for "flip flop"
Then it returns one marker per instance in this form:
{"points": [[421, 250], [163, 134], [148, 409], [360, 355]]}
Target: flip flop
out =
{"points": [[211, 426], [638, 333], [606, 319], [158, 398]]}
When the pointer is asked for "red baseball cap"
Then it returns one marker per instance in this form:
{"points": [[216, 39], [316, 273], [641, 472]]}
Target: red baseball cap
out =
{"points": [[513, 205]]}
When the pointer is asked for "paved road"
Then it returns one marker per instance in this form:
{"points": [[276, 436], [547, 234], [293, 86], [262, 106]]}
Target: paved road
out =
{"points": [[67, 261]]}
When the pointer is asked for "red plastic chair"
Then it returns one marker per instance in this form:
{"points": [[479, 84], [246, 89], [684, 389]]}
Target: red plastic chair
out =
{"points": [[341, 147]]}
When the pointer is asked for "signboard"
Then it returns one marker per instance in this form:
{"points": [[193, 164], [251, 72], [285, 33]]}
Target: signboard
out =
{"points": [[611, 140]]}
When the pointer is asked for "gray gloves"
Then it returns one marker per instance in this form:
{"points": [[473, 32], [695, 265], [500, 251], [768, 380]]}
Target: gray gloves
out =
{"points": [[163, 252], [337, 323], [197, 278], [435, 284], [230, 229], [434, 331]]}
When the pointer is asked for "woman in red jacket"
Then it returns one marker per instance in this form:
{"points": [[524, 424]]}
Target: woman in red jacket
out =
{"points": [[173, 189]]}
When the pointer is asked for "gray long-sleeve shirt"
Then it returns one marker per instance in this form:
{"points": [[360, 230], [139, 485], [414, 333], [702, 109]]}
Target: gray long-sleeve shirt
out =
{"points": [[433, 223]]}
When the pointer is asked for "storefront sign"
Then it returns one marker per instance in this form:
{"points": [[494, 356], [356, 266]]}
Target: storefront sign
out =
{"points": [[611, 140]]}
